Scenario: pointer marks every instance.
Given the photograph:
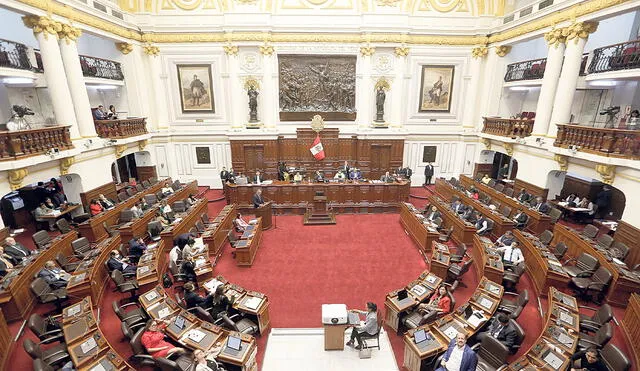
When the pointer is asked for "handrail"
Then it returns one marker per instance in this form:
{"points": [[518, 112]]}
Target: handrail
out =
{"points": [[101, 68], [24, 143], [125, 128], [605, 142], [621, 56], [14, 55], [507, 127], [526, 70]]}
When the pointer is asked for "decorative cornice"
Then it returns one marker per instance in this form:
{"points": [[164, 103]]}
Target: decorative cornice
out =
{"points": [[69, 33], [503, 50], [579, 30], [266, 49], [383, 83], [230, 49], [120, 148], [509, 148], [42, 24], [607, 172], [142, 144], [387, 2], [555, 37], [16, 176], [125, 48], [479, 52], [562, 160], [367, 51], [151, 50], [65, 164], [486, 142], [401, 51]]}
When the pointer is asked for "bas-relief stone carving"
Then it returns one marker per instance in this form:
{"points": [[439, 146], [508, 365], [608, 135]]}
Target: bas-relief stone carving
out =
{"points": [[383, 63], [250, 61], [311, 84]]}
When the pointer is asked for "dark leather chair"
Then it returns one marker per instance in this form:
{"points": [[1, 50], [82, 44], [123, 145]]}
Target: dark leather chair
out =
{"points": [[139, 188], [179, 207], [140, 356], [122, 196], [445, 235], [45, 294], [590, 231], [150, 199], [238, 323], [456, 271], [506, 211], [46, 329], [127, 331], [130, 192], [54, 356], [204, 315], [205, 219], [41, 239], [604, 240], [123, 285], [160, 195], [597, 340], [176, 185], [126, 216], [508, 192], [179, 279], [510, 279], [200, 226], [555, 214], [492, 183], [134, 318], [69, 264], [520, 335], [584, 263], [546, 237], [82, 248], [619, 250], [184, 362], [154, 229], [513, 308], [153, 180], [614, 358], [416, 319], [365, 337], [499, 187], [63, 225], [560, 250], [600, 316], [461, 252], [39, 365], [587, 285]]}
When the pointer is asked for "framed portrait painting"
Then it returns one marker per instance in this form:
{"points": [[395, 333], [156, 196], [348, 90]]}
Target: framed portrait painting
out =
{"points": [[203, 155], [196, 88], [436, 88]]}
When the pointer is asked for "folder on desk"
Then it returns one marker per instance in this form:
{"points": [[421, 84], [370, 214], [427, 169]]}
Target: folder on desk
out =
{"points": [[253, 303], [242, 243]]}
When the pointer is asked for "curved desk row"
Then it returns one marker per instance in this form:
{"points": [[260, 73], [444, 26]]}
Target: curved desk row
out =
{"points": [[413, 222], [463, 231], [488, 261], [215, 234], [184, 221]]}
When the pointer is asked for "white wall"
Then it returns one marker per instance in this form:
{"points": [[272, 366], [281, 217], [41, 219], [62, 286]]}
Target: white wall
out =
{"points": [[527, 50], [35, 98], [612, 31], [143, 158], [555, 183], [107, 97], [99, 47], [14, 30], [514, 102]]}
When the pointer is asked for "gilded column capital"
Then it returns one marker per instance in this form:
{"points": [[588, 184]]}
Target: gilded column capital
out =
{"points": [[266, 49], [142, 144], [402, 51], [125, 48], [42, 24], [509, 148], [69, 33], [479, 52], [250, 82], [151, 50], [579, 30], [503, 50], [367, 51], [562, 160], [230, 49], [555, 37], [607, 172], [16, 176], [65, 164], [486, 142], [120, 148]]}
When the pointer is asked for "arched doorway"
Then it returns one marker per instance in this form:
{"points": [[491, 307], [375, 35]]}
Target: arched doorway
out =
{"points": [[136, 165], [497, 165]]}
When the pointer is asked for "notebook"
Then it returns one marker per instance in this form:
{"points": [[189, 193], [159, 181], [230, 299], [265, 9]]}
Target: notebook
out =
{"points": [[419, 336], [234, 343]]}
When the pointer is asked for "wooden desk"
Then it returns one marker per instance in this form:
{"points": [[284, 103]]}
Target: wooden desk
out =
{"points": [[6, 342], [247, 248], [463, 231], [543, 267], [440, 260], [215, 236], [487, 264], [260, 313], [16, 298], [137, 227], [189, 219], [631, 327], [350, 197], [623, 284], [538, 222], [415, 227], [334, 336], [150, 265], [66, 211], [418, 291]]}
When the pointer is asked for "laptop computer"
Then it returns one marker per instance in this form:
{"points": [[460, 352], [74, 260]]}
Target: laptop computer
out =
{"points": [[402, 294], [179, 322], [353, 318], [419, 336], [234, 343]]}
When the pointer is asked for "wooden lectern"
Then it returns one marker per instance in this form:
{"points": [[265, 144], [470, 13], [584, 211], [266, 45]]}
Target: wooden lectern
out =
{"points": [[264, 211], [319, 212]]}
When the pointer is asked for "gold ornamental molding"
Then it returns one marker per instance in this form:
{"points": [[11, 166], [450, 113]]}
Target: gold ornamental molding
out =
{"points": [[387, 2], [479, 52], [367, 51], [125, 48], [120, 148], [42, 24], [151, 50], [142, 144], [267, 49], [503, 50], [562, 160], [579, 30], [555, 37], [383, 83], [509, 148], [230, 49], [486, 142], [69, 33], [16, 176], [251, 82], [65, 164], [607, 173]]}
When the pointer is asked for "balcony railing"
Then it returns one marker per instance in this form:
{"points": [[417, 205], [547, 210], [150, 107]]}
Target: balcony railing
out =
{"points": [[118, 129], [24, 143], [616, 57], [101, 68], [38, 67], [14, 55], [508, 127], [526, 70], [605, 142]]}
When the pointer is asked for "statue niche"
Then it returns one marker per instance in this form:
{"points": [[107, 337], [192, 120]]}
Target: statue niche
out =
{"points": [[316, 84]]}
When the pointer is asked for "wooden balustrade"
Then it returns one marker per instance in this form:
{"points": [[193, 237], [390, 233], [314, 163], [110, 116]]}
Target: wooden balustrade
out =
{"points": [[507, 127], [605, 142], [24, 143], [117, 129]]}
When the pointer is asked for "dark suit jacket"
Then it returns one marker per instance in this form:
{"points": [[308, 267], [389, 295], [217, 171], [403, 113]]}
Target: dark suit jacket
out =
{"points": [[136, 249], [506, 336], [115, 265], [17, 251], [428, 170], [523, 197], [436, 215], [192, 300], [469, 357], [544, 208], [521, 218], [257, 200], [51, 279], [254, 179], [224, 175]]}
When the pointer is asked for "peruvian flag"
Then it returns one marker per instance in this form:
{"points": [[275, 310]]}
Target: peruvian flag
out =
{"points": [[316, 149]]}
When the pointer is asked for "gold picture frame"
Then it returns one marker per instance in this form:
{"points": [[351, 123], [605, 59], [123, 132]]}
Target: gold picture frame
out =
{"points": [[196, 88], [436, 88]]}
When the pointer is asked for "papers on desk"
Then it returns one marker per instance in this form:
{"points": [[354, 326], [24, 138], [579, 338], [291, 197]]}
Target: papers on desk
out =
{"points": [[88, 345], [196, 335], [476, 320], [564, 339], [56, 212], [552, 360], [150, 295], [164, 312], [566, 318], [451, 332], [431, 279], [200, 262], [493, 289], [212, 285], [418, 290], [80, 277], [199, 242], [580, 209], [144, 269], [485, 303], [554, 262], [177, 220], [253, 303], [152, 245], [618, 261], [17, 231], [266, 182], [98, 367], [74, 310]]}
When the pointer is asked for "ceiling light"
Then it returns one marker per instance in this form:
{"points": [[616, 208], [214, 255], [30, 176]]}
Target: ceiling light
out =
{"points": [[103, 87], [17, 81], [602, 83], [519, 88]]}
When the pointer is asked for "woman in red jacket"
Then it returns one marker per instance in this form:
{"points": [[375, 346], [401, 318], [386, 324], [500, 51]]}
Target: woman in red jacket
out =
{"points": [[153, 341], [438, 305], [95, 207]]}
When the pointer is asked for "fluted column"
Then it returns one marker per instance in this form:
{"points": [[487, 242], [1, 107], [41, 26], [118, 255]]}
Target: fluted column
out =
{"points": [[398, 92], [364, 105], [493, 79], [238, 114], [46, 31], [555, 54], [135, 82], [470, 107], [576, 35], [69, 49], [268, 101], [159, 111]]}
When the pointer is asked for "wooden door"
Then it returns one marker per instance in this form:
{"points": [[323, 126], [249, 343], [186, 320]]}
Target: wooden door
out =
{"points": [[380, 160], [253, 158]]}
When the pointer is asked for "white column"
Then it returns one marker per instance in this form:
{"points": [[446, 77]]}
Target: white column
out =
{"points": [[398, 93], [471, 101], [239, 113], [81, 105], [46, 31], [365, 91], [135, 82], [160, 113], [492, 81], [577, 35], [552, 70], [267, 99]]}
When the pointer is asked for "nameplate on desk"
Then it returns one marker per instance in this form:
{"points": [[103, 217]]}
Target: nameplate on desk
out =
{"points": [[451, 332], [74, 310], [566, 318], [88, 345], [164, 312], [486, 303], [150, 295], [196, 335], [200, 262], [553, 360]]}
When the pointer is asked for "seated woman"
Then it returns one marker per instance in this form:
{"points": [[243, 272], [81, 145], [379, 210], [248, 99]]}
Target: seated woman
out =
{"points": [[166, 190], [220, 302], [160, 218], [438, 305], [192, 299], [191, 200], [95, 207], [206, 361], [239, 223], [370, 324], [153, 340], [49, 204]]}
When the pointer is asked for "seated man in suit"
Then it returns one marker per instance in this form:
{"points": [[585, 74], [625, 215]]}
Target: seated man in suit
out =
{"points": [[6, 264], [117, 263], [520, 219], [297, 177], [258, 178], [257, 199], [224, 174], [467, 214], [105, 202], [512, 255], [459, 356], [482, 225], [339, 175], [433, 214], [15, 250], [319, 177], [40, 212], [458, 207], [387, 178], [192, 299], [500, 328], [541, 205], [100, 113], [137, 248], [355, 174], [588, 361], [54, 276], [523, 196], [506, 239]]}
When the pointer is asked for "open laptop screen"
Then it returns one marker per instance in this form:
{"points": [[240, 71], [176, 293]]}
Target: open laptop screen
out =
{"points": [[234, 342]]}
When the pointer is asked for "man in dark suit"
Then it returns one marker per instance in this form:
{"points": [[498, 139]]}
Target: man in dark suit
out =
{"points": [[542, 206], [192, 299], [458, 207], [257, 199], [523, 196], [54, 276], [224, 174], [345, 168], [434, 214], [118, 263], [501, 329], [387, 178], [459, 356], [467, 214], [521, 219], [259, 178], [15, 250], [137, 248], [428, 173]]}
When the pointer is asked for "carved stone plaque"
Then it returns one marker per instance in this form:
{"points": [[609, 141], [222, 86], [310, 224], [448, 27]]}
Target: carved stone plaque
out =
{"points": [[317, 84]]}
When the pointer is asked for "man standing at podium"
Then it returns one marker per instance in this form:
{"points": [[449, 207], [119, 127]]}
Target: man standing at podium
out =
{"points": [[257, 199]]}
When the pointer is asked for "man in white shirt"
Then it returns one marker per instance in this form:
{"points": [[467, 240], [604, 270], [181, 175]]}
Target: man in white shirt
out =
{"points": [[191, 250], [512, 254], [459, 356], [174, 255]]}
